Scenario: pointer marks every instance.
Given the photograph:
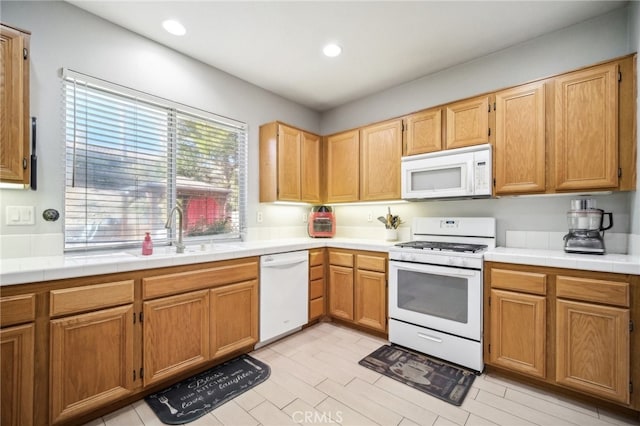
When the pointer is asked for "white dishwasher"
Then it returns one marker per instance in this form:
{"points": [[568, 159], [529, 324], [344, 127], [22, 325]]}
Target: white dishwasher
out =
{"points": [[284, 294]]}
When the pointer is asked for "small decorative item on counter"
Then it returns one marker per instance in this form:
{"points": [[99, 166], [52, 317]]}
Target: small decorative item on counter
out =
{"points": [[147, 245], [391, 224]]}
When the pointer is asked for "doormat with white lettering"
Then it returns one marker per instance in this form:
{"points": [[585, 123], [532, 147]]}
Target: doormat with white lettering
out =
{"points": [[448, 382], [196, 396]]}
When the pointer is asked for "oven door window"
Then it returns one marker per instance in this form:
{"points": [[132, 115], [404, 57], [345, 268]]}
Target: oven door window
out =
{"points": [[439, 296], [443, 179]]}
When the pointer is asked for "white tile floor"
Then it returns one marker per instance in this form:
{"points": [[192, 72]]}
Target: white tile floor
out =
{"points": [[316, 380]]}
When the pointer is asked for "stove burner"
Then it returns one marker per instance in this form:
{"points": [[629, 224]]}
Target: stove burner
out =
{"points": [[443, 246]]}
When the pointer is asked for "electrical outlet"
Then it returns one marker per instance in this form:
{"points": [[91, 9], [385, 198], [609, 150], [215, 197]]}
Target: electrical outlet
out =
{"points": [[370, 217], [304, 217], [259, 217]]}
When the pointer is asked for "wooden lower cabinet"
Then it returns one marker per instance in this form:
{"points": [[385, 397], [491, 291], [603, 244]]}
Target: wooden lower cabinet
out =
{"points": [[91, 361], [592, 344], [358, 288], [233, 317], [567, 328], [175, 334], [16, 383], [316, 284], [518, 327], [341, 292]]}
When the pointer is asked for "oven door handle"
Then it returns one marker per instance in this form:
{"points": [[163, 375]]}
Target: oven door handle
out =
{"points": [[427, 337], [461, 273]]}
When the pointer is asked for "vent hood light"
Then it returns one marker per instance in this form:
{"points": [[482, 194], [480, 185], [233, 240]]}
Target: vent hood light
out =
{"points": [[332, 50], [174, 27]]}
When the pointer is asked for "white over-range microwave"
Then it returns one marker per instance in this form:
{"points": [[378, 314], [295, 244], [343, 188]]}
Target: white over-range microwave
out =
{"points": [[460, 172]]}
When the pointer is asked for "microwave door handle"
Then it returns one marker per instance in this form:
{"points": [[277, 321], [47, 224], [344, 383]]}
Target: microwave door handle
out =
{"points": [[460, 273], [470, 174]]}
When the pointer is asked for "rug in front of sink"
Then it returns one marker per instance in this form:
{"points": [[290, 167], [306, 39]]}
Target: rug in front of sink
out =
{"points": [[448, 382], [196, 396]]}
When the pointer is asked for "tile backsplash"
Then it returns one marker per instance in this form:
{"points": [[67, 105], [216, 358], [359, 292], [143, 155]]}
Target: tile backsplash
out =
{"points": [[614, 242], [31, 245]]}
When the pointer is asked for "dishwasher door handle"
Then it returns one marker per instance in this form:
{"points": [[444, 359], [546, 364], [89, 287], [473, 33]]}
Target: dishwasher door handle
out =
{"points": [[277, 263]]}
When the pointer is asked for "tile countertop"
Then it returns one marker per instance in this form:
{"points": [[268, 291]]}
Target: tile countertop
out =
{"points": [[72, 265], [618, 263]]}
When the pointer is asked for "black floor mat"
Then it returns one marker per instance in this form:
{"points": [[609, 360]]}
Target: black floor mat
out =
{"points": [[437, 378], [196, 396]]}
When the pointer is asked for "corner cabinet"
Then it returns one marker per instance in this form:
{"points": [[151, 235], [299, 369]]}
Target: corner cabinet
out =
{"points": [[290, 164], [358, 288], [14, 108], [520, 154], [568, 328], [586, 128], [343, 167], [380, 154]]}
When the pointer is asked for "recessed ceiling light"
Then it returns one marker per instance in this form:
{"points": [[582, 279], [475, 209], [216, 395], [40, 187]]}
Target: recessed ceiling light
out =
{"points": [[332, 50], [174, 27]]}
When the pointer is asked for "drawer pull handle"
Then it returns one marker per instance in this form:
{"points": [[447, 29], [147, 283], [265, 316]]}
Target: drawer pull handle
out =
{"points": [[433, 339]]}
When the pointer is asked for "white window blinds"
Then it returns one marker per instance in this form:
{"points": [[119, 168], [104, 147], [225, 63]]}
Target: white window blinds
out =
{"points": [[130, 157]]}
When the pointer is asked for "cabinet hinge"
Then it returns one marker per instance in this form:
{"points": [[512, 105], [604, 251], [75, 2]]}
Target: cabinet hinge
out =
{"points": [[494, 106], [489, 348], [141, 317], [489, 131], [494, 182], [630, 325], [489, 301], [142, 373], [134, 321], [619, 171], [25, 53], [619, 76], [630, 387], [134, 375], [489, 110], [24, 163]]}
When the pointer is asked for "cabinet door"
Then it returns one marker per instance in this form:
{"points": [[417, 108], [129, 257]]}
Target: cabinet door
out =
{"points": [[341, 292], [592, 344], [234, 317], [16, 386], [371, 299], [518, 327], [343, 167], [310, 160], [175, 334], [424, 132], [91, 361], [14, 106], [289, 141], [468, 123], [520, 140], [380, 153], [586, 128]]}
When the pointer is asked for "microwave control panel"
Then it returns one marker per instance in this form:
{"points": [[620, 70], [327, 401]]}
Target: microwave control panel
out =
{"points": [[482, 173]]}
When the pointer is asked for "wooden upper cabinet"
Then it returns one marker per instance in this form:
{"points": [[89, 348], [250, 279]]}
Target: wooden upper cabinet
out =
{"points": [[520, 139], [467, 122], [343, 167], [14, 106], [310, 161], [289, 141], [289, 164], [586, 129], [424, 132], [380, 154]]}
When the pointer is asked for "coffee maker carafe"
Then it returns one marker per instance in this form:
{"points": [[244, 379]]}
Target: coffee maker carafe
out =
{"points": [[586, 229]]}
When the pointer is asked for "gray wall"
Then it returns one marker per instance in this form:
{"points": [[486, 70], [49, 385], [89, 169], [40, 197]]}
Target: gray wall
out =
{"points": [[66, 36], [634, 43], [602, 38]]}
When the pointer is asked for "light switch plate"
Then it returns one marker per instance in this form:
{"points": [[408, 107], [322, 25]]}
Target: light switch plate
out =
{"points": [[20, 215]]}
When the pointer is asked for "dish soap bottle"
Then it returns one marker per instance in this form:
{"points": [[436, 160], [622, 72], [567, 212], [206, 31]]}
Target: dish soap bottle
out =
{"points": [[147, 245]]}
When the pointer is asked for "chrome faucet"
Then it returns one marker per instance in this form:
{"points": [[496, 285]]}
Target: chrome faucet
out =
{"points": [[179, 244]]}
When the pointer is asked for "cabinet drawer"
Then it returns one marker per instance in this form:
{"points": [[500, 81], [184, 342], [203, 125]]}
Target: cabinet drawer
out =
{"points": [[372, 263], [17, 309], [316, 272], [91, 297], [182, 282], [316, 289], [341, 259], [528, 282], [590, 290], [316, 258], [316, 308]]}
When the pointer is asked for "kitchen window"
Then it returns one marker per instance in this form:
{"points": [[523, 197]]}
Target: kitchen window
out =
{"points": [[131, 156]]}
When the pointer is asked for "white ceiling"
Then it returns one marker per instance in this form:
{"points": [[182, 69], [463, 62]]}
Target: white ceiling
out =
{"points": [[277, 45]]}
